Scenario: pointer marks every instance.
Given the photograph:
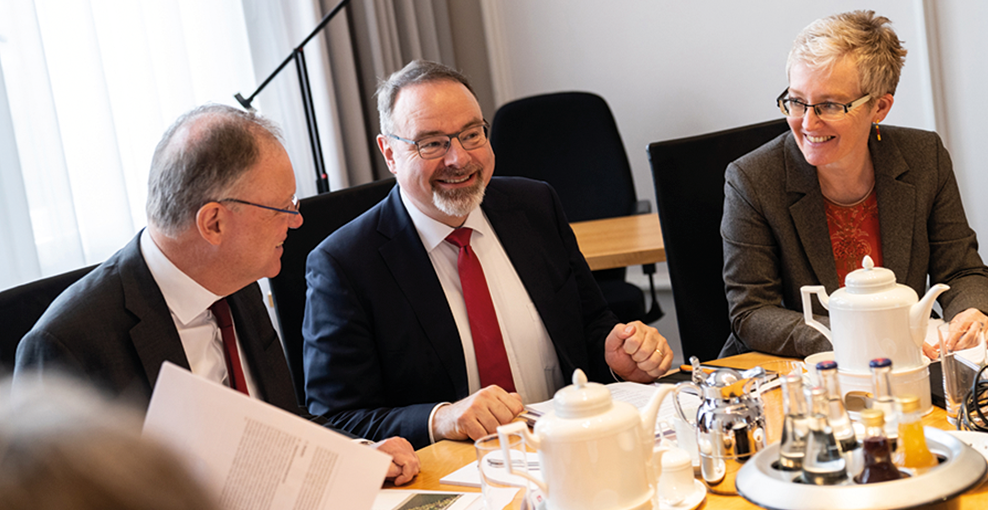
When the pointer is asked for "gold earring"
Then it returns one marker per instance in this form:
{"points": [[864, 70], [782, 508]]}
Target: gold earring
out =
{"points": [[878, 132]]}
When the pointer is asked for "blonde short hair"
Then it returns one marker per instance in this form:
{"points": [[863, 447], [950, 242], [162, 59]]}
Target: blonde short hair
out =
{"points": [[862, 36]]}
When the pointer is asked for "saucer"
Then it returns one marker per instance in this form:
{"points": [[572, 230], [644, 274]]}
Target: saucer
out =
{"points": [[976, 440], [692, 501]]}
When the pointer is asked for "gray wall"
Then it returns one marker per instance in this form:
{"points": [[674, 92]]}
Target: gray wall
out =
{"points": [[671, 69]]}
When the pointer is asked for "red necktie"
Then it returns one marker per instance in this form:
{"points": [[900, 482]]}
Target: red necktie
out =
{"points": [[221, 310], [492, 360]]}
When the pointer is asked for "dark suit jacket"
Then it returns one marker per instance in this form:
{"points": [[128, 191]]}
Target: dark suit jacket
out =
{"points": [[114, 329], [381, 345], [776, 237]]}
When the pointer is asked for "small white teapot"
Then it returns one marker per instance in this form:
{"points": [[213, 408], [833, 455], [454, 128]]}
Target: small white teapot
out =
{"points": [[873, 317], [594, 453]]}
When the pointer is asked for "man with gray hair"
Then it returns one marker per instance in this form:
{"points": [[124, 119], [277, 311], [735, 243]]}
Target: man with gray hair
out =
{"points": [[221, 198]]}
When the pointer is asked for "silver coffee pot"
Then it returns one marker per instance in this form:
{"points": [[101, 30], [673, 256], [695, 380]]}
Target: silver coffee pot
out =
{"points": [[729, 423]]}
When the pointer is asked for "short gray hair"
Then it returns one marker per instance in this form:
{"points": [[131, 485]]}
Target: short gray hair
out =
{"points": [[417, 71], [866, 38], [200, 157]]}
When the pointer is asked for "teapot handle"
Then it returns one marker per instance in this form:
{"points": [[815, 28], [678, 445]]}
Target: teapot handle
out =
{"points": [[821, 292], [675, 400], [517, 427]]}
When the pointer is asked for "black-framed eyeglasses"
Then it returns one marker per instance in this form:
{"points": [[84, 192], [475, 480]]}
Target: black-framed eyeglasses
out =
{"points": [[292, 211], [796, 109], [436, 146]]}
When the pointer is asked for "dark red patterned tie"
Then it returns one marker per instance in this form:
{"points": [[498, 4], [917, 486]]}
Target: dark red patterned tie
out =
{"points": [[221, 310], [492, 360]]}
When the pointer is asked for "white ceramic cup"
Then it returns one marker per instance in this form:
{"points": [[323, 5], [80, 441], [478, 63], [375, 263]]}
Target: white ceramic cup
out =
{"points": [[676, 481], [686, 438], [811, 362]]}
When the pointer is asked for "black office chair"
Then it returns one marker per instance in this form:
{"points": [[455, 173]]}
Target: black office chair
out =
{"points": [[323, 215], [571, 141], [689, 189], [22, 306]]}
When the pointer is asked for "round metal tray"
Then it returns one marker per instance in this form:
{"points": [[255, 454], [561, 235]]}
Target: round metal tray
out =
{"points": [[765, 486]]}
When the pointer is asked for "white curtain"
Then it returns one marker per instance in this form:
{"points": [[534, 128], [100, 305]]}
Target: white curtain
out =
{"points": [[87, 87]]}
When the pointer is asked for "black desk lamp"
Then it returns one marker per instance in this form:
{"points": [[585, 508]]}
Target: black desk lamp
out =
{"points": [[322, 181]]}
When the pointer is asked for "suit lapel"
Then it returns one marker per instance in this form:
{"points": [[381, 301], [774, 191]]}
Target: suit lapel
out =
{"points": [[406, 257], [895, 206], [262, 350], [808, 215], [154, 336]]}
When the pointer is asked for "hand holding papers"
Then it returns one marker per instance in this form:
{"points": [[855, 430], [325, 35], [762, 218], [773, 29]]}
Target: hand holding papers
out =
{"points": [[254, 455]]}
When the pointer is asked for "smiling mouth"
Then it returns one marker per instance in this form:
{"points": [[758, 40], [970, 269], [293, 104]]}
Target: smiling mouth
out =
{"points": [[818, 139], [456, 179]]}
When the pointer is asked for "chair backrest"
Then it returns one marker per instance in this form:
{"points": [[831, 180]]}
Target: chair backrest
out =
{"points": [[22, 306], [323, 215], [689, 189], [571, 141]]}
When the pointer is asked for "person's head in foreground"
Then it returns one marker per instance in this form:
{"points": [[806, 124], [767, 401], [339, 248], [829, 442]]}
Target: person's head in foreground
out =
{"points": [[63, 447]]}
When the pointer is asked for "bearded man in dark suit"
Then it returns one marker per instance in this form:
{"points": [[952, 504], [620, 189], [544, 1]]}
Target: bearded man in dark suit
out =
{"points": [[391, 330]]}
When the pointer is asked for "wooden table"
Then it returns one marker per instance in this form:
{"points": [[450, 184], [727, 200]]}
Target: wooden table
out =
{"points": [[620, 242], [444, 457]]}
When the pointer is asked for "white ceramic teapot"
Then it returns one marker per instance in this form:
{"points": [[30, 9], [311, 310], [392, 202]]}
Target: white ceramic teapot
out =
{"points": [[873, 317], [594, 453]]}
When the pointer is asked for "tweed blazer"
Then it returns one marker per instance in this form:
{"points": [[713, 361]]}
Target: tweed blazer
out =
{"points": [[776, 237]]}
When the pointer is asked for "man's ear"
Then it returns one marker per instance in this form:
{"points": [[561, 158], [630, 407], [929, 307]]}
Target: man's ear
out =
{"points": [[211, 222], [384, 144]]}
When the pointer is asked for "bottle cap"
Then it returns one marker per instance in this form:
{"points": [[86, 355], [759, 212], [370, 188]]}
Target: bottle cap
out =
{"points": [[826, 365], [872, 417], [880, 362], [909, 403]]}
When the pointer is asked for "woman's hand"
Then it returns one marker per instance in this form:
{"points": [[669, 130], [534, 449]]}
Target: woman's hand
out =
{"points": [[966, 329]]}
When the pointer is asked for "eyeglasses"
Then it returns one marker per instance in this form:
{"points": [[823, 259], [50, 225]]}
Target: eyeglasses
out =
{"points": [[293, 211], [436, 146], [796, 109]]}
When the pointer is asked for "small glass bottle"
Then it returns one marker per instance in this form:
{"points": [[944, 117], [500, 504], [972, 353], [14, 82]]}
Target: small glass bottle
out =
{"points": [[913, 452], [877, 448], [823, 463], [795, 424], [836, 412], [881, 389]]}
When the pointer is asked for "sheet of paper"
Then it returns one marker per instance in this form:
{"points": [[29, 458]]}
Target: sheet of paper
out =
{"points": [[253, 455], [436, 500], [469, 476]]}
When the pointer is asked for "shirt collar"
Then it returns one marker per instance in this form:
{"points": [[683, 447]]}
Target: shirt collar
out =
{"points": [[185, 297], [434, 232]]}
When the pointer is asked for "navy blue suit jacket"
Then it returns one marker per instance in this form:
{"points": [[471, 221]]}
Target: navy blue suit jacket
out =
{"points": [[381, 345]]}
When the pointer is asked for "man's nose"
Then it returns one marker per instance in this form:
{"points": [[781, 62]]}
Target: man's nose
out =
{"points": [[296, 221], [456, 156]]}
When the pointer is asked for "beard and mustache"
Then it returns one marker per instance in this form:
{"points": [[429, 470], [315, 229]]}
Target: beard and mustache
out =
{"points": [[459, 202]]}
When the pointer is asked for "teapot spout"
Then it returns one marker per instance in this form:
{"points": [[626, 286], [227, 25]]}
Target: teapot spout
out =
{"points": [[919, 313]]}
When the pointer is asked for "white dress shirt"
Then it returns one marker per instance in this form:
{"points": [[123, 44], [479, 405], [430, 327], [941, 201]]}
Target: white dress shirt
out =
{"points": [[531, 355], [189, 305]]}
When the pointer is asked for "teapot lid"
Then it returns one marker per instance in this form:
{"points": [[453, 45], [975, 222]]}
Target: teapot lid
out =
{"points": [[869, 278], [582, 399]]}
